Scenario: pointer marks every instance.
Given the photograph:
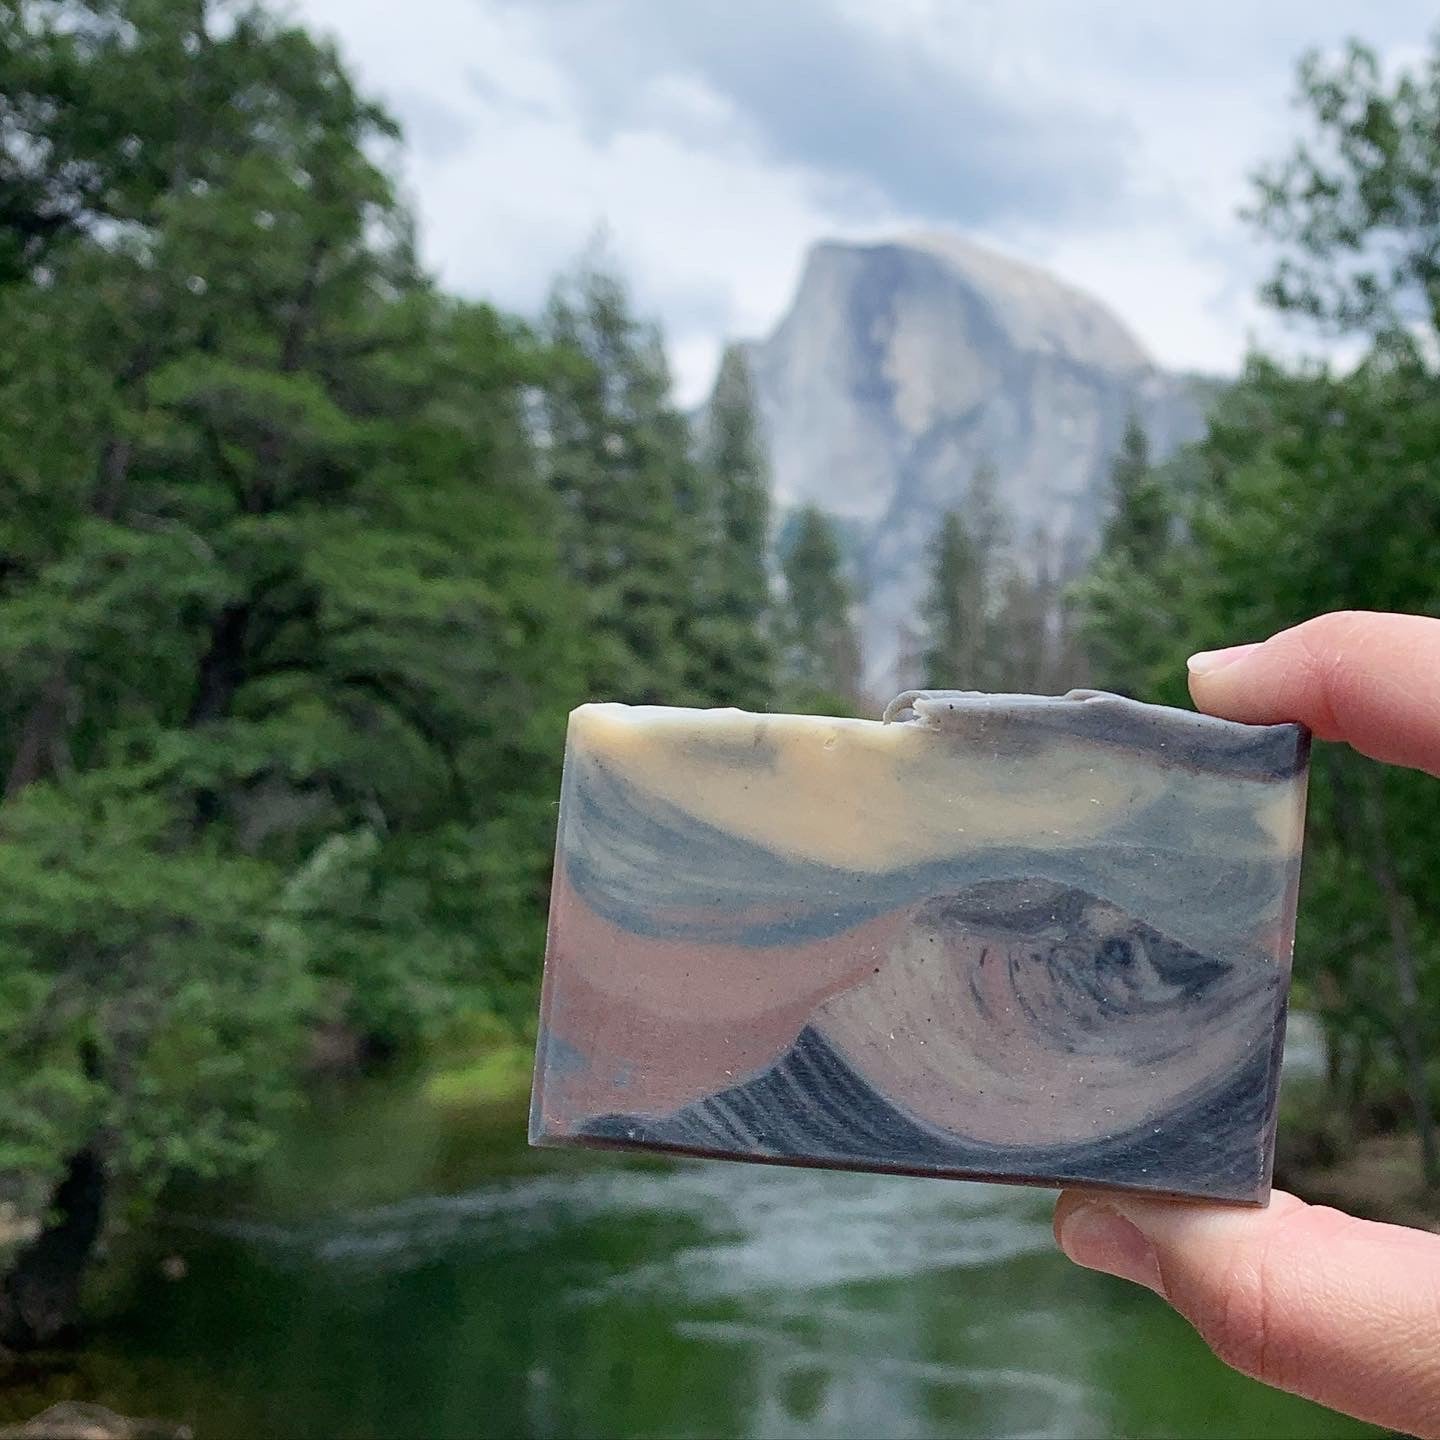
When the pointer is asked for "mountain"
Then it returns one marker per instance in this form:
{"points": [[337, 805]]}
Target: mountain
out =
{"points": [[901, 366]]}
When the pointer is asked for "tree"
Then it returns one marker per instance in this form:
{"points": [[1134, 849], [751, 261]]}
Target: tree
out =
{"points": [[953, 614], [1130, 592], [283, 637], [1354, 210], [617, 458], [733, 649], [1139, 516], [1312, 492], [987, 623], [820, 650], [1356, 205]]}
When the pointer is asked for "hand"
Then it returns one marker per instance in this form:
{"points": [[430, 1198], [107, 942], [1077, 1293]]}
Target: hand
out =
{"points": [[1300, 1296]]}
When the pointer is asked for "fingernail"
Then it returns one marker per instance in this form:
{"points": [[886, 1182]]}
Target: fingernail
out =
{"points": [[1206, 662], [1102, 1239]]}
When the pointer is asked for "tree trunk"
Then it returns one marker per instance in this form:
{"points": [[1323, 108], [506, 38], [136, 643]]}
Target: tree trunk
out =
{"points": [[222, 667], [39, 735], [40, 1297]]}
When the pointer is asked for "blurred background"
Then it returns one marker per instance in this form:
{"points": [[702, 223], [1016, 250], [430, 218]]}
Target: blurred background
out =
{"points": [[377, 382]]}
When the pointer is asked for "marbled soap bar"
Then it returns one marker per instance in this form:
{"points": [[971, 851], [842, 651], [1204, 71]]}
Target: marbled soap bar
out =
{"points": [[1004, 937]]}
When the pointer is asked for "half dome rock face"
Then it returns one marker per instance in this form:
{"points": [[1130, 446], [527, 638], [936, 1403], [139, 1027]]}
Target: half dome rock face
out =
{"points": [[903, 366], [1043, 940]]}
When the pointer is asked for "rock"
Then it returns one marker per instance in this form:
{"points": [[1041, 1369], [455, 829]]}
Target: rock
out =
{"points": [[71, 1420], [903, 365]]}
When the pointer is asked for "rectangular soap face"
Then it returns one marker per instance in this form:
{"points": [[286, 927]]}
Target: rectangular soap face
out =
{"points": [[1009, 938]]}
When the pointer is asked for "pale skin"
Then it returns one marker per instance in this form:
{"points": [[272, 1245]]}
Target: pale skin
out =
{"points": [[1303, 1297]]}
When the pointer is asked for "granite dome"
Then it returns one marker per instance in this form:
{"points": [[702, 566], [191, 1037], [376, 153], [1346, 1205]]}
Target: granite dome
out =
{"points": [[902, 365]]}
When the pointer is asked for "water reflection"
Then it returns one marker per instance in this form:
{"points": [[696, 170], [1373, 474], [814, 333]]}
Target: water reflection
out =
{"points": [[404, 1273]]}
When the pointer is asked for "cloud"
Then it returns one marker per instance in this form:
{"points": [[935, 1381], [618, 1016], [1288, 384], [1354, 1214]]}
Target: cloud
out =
{"points": [[876, 114], [717, 139], [436, 130]]}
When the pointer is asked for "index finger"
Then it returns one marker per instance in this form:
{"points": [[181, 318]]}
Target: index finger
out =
{"points": [[1356, 675]]}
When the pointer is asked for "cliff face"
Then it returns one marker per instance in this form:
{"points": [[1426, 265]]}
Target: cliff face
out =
{"points": [[902, 366]]}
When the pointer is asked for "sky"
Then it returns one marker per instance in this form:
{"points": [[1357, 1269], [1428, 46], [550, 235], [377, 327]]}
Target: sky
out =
{"points": [[711, 142]]}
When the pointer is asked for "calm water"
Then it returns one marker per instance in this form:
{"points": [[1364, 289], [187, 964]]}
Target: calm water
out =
{"points": [[404, 1272]]}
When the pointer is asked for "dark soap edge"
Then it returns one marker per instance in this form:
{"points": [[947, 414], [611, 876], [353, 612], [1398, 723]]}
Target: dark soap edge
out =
{"points": [[1227, 747], [552, 1141]]}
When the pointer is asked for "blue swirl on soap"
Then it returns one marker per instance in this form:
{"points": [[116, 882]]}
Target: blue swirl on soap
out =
{"points": [[1209, 1144], [1027, 978], [641, 861]]}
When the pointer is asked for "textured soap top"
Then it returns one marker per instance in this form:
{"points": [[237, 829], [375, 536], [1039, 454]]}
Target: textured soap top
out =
{"points": [[1020, 937]]}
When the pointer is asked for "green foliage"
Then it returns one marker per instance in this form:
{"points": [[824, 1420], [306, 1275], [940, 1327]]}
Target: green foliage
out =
{"points": [[819, 647], [1127, 600], [302, 566], [1310, 492], [954, 613], [286, 645], [617, 458], [731, 646], [1356, 205], [986, 622], [1315, 491]]}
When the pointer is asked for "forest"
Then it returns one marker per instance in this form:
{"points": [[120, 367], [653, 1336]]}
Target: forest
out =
{"points": [[303, 562]]}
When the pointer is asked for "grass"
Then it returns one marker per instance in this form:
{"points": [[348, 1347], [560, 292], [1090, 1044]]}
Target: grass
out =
{"points": [[499, 1076]]}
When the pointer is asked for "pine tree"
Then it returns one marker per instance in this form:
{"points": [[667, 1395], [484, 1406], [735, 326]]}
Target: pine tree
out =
{"points": [[285, 649], [1130, 573], [618, 460], [1139, 516], [820, 655], [974, 597], [986, 523], [732, 646], [953, 614]]}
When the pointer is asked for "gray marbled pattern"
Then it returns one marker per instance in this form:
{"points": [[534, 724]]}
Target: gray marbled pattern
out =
{"points": [[1036, 939]]}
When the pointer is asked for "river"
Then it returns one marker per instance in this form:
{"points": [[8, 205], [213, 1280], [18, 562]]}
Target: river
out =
{"points": [[406, 1270]]}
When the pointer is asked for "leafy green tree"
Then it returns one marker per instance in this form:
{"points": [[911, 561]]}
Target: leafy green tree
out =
{"points": [[284, 643], [820, 649], [1354, 211], [1356, 205]]}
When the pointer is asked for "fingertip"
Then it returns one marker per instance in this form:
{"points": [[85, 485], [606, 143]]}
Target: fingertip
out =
{"points": [[1208, 662], [1097, 1236]]}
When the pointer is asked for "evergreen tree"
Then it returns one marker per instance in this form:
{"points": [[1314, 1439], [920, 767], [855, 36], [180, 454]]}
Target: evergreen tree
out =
{"points": [[1029, 626], [618, 460], [953, 615], [284, 646], [986, 523], [820, 653], [732, 647], [985, 622], [1134, 569], [1139, 513]]}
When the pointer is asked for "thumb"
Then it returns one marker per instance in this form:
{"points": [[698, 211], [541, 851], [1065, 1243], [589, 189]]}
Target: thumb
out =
{"points": [[1342, 1311]]}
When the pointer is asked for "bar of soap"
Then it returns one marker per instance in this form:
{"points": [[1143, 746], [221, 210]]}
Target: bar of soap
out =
{"points": [[1005, 937]]}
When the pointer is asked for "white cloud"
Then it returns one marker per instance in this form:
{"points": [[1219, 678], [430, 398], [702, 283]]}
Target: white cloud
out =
{"points": [[715, 142]]}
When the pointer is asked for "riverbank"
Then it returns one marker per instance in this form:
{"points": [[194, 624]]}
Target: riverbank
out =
{"points": [[406, 1267]]}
